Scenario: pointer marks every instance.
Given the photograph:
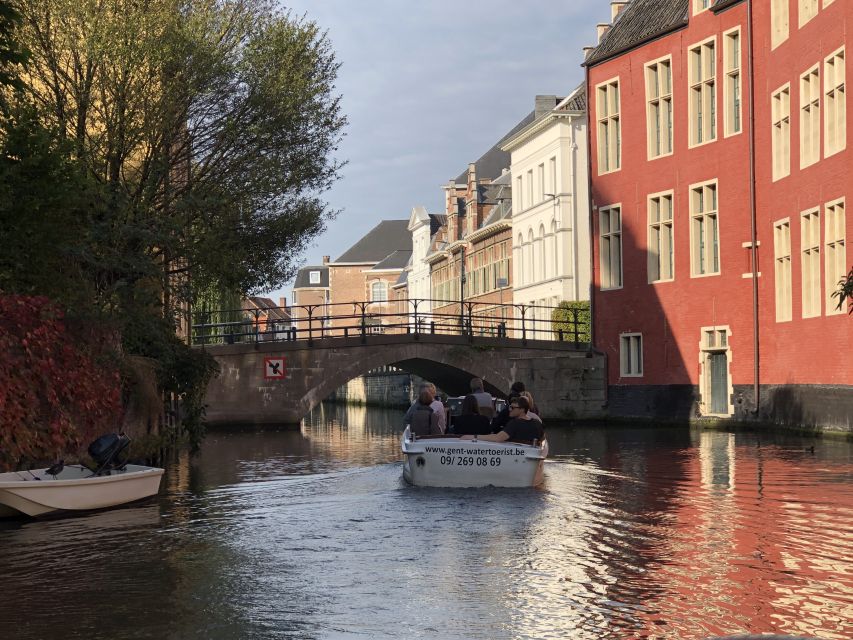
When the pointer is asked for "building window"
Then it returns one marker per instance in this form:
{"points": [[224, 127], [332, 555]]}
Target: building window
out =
{"points": [[836, 252], [810, 117], [518, 194], [554, 189], [379, 291], [631, 355], [530, 201], [314, 277], [540, 182], [660, 237], [703, 93], [779, 22], [700, 5], [732, 88], [808, 10], [835, 104], [610, 226], [704, 230], [659, 107], [810, 248], [782, 253], [781, 113], [609, 134]]}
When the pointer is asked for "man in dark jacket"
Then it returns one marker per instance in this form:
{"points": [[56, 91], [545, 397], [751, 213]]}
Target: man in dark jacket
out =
{"points": [[503, 416]]}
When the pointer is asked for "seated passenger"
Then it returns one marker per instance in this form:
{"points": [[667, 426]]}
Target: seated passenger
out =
{"points": [[437, 406], [424, 421], [471, 422], [533, 412], [503, 415], [484, 400], [520, 428]]}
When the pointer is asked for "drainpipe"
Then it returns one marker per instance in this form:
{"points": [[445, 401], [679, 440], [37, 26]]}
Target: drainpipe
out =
{"points": [[754, 247], [591, 226]]}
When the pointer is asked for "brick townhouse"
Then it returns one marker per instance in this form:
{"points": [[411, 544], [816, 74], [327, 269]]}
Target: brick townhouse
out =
{"points": [[720, 159]]}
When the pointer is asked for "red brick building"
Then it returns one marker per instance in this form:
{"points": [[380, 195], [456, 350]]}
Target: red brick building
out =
{"points": [[693, 183]]}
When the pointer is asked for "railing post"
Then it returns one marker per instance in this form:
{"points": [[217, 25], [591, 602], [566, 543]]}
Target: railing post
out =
{"points": [[310, 325], [363, 322], [432, 327]]}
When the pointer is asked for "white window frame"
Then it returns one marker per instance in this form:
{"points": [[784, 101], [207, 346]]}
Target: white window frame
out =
{"points": [[810, 124], [631, 344], [732, 84], [660, 121], [782, 270], [313, 277], [810, 246], [700, 6], [609, 154], [655, 261], [835, 251], [608, 239], [780, 109], [804, 12], [698, 222], [706, 87], [835, 103], [779, 22], [374, 286]]}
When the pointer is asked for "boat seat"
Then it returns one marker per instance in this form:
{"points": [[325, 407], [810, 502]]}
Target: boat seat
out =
{"points": [[438, 436]]}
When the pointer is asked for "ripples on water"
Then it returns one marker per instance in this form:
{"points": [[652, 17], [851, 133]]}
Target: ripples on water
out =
{"points": [[652, 533]]}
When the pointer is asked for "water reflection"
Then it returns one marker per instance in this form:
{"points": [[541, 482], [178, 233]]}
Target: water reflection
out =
{"points": [[652, 533]]}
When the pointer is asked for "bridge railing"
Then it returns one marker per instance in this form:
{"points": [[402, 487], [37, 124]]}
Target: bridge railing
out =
{"points": [[416, 317]]}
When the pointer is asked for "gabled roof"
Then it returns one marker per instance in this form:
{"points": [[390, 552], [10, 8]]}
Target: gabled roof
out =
{"points": [[492, 163], [303, 278], [273, 311], [640, 21], [396, 260], [379, 242], [576, 100], [436, 222]]}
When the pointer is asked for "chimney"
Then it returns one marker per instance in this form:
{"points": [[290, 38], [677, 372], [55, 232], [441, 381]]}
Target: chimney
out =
{"points": [[616, 7], [282, 302], [603, 28], [326, 259], [544, 104]]}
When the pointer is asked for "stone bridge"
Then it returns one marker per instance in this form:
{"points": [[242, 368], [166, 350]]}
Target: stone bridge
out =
{"points": [[280, 382]]}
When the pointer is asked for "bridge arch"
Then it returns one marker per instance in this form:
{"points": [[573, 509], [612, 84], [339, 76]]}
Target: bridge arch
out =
{"points": [[568, 381]]}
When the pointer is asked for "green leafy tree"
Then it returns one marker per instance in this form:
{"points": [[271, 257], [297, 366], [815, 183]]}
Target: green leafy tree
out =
{"points": [[573, 318], [845, 292], [213, 126]]}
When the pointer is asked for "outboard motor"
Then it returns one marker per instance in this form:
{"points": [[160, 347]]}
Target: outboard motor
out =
{"points": [[106, 451]]}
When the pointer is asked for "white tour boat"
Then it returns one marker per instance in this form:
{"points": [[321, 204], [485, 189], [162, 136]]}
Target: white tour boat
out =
{"points": [[447, 461], [75, 488]]}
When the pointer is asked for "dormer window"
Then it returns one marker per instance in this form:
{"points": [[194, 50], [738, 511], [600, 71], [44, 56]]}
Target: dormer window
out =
{"points": [[700, 5], [314, 277]]}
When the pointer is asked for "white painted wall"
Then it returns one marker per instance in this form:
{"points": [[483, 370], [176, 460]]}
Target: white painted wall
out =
{"points": [[419, 276], [551, 234]]}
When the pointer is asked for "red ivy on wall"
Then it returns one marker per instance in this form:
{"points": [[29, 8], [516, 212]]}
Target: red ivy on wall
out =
{"points": [[57, 391]]}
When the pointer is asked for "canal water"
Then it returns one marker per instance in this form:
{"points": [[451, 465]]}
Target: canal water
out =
{"points": [[636, 533]]}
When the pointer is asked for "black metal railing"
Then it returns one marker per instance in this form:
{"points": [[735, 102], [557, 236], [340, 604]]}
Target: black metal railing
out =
{"points": [[312, 322]]}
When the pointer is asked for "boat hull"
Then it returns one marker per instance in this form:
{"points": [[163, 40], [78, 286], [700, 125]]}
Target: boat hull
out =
{"points": [[451, 462], [35, 493]]}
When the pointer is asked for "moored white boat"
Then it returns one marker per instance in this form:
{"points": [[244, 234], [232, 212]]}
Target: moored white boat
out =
{"points": [[75, 488], [450, 462]]}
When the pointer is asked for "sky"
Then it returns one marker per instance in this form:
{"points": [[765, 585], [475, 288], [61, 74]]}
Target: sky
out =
{"points": [[430, 86]]}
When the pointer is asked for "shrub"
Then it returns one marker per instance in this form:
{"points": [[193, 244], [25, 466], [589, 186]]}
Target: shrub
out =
{"points": [[572, 317], [58, 389]]}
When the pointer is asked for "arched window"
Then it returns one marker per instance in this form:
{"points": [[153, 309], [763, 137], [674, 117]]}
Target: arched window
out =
{"points": [[531, 274], [379, 291], [554, 258], [540, 250], [518, 259]]}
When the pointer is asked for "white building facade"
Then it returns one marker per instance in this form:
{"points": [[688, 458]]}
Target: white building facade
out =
{"points": [[550, 203]]}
